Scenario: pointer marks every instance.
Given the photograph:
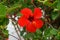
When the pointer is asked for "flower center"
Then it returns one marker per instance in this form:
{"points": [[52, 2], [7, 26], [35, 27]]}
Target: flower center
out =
{"points": [[31, 18]]}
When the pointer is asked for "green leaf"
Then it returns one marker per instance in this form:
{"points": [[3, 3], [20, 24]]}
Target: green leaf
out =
{"points": [[37, 34], [3, 21], [54, 15], [22, 1], [47, 32], [58, 4], [1, 38], [5, 32], [50, 32], [46, 3], [2, 10], [53, 31], [58, 37], [29, 35]]}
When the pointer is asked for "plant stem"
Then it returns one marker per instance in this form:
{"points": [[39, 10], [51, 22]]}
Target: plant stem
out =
{"points": [[13, 36], [33, 4], [16, 31]]}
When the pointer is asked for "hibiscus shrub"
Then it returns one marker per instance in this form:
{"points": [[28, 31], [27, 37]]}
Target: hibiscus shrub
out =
{"points": [[39, 19], [31, 20]]}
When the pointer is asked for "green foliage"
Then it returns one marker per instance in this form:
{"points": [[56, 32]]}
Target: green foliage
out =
{"points": [[58, 36], [58, 4], [49, 32], [3, 21], [3, 33], [54, 15], [14, 6], [2, 10]]}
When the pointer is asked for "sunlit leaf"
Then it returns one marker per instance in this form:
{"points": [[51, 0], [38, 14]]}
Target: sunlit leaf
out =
{"points": [[2, 10]]}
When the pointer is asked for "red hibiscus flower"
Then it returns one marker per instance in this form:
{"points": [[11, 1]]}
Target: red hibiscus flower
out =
{"points": [[31, 21]]}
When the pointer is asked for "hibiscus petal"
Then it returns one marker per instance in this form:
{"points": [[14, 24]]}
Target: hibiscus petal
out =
{"points": [[26, 12], [37, 13], [30, 28], [22, 21], [38, 23]]}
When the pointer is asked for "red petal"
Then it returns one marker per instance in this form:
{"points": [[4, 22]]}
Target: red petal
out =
{"points": [[26, 12], [30, 28], [23, 21], [37, 13], [38, 23]]}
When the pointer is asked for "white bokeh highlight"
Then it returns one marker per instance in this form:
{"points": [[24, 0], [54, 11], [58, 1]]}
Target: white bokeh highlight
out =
{"points": [[11, 31]]}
